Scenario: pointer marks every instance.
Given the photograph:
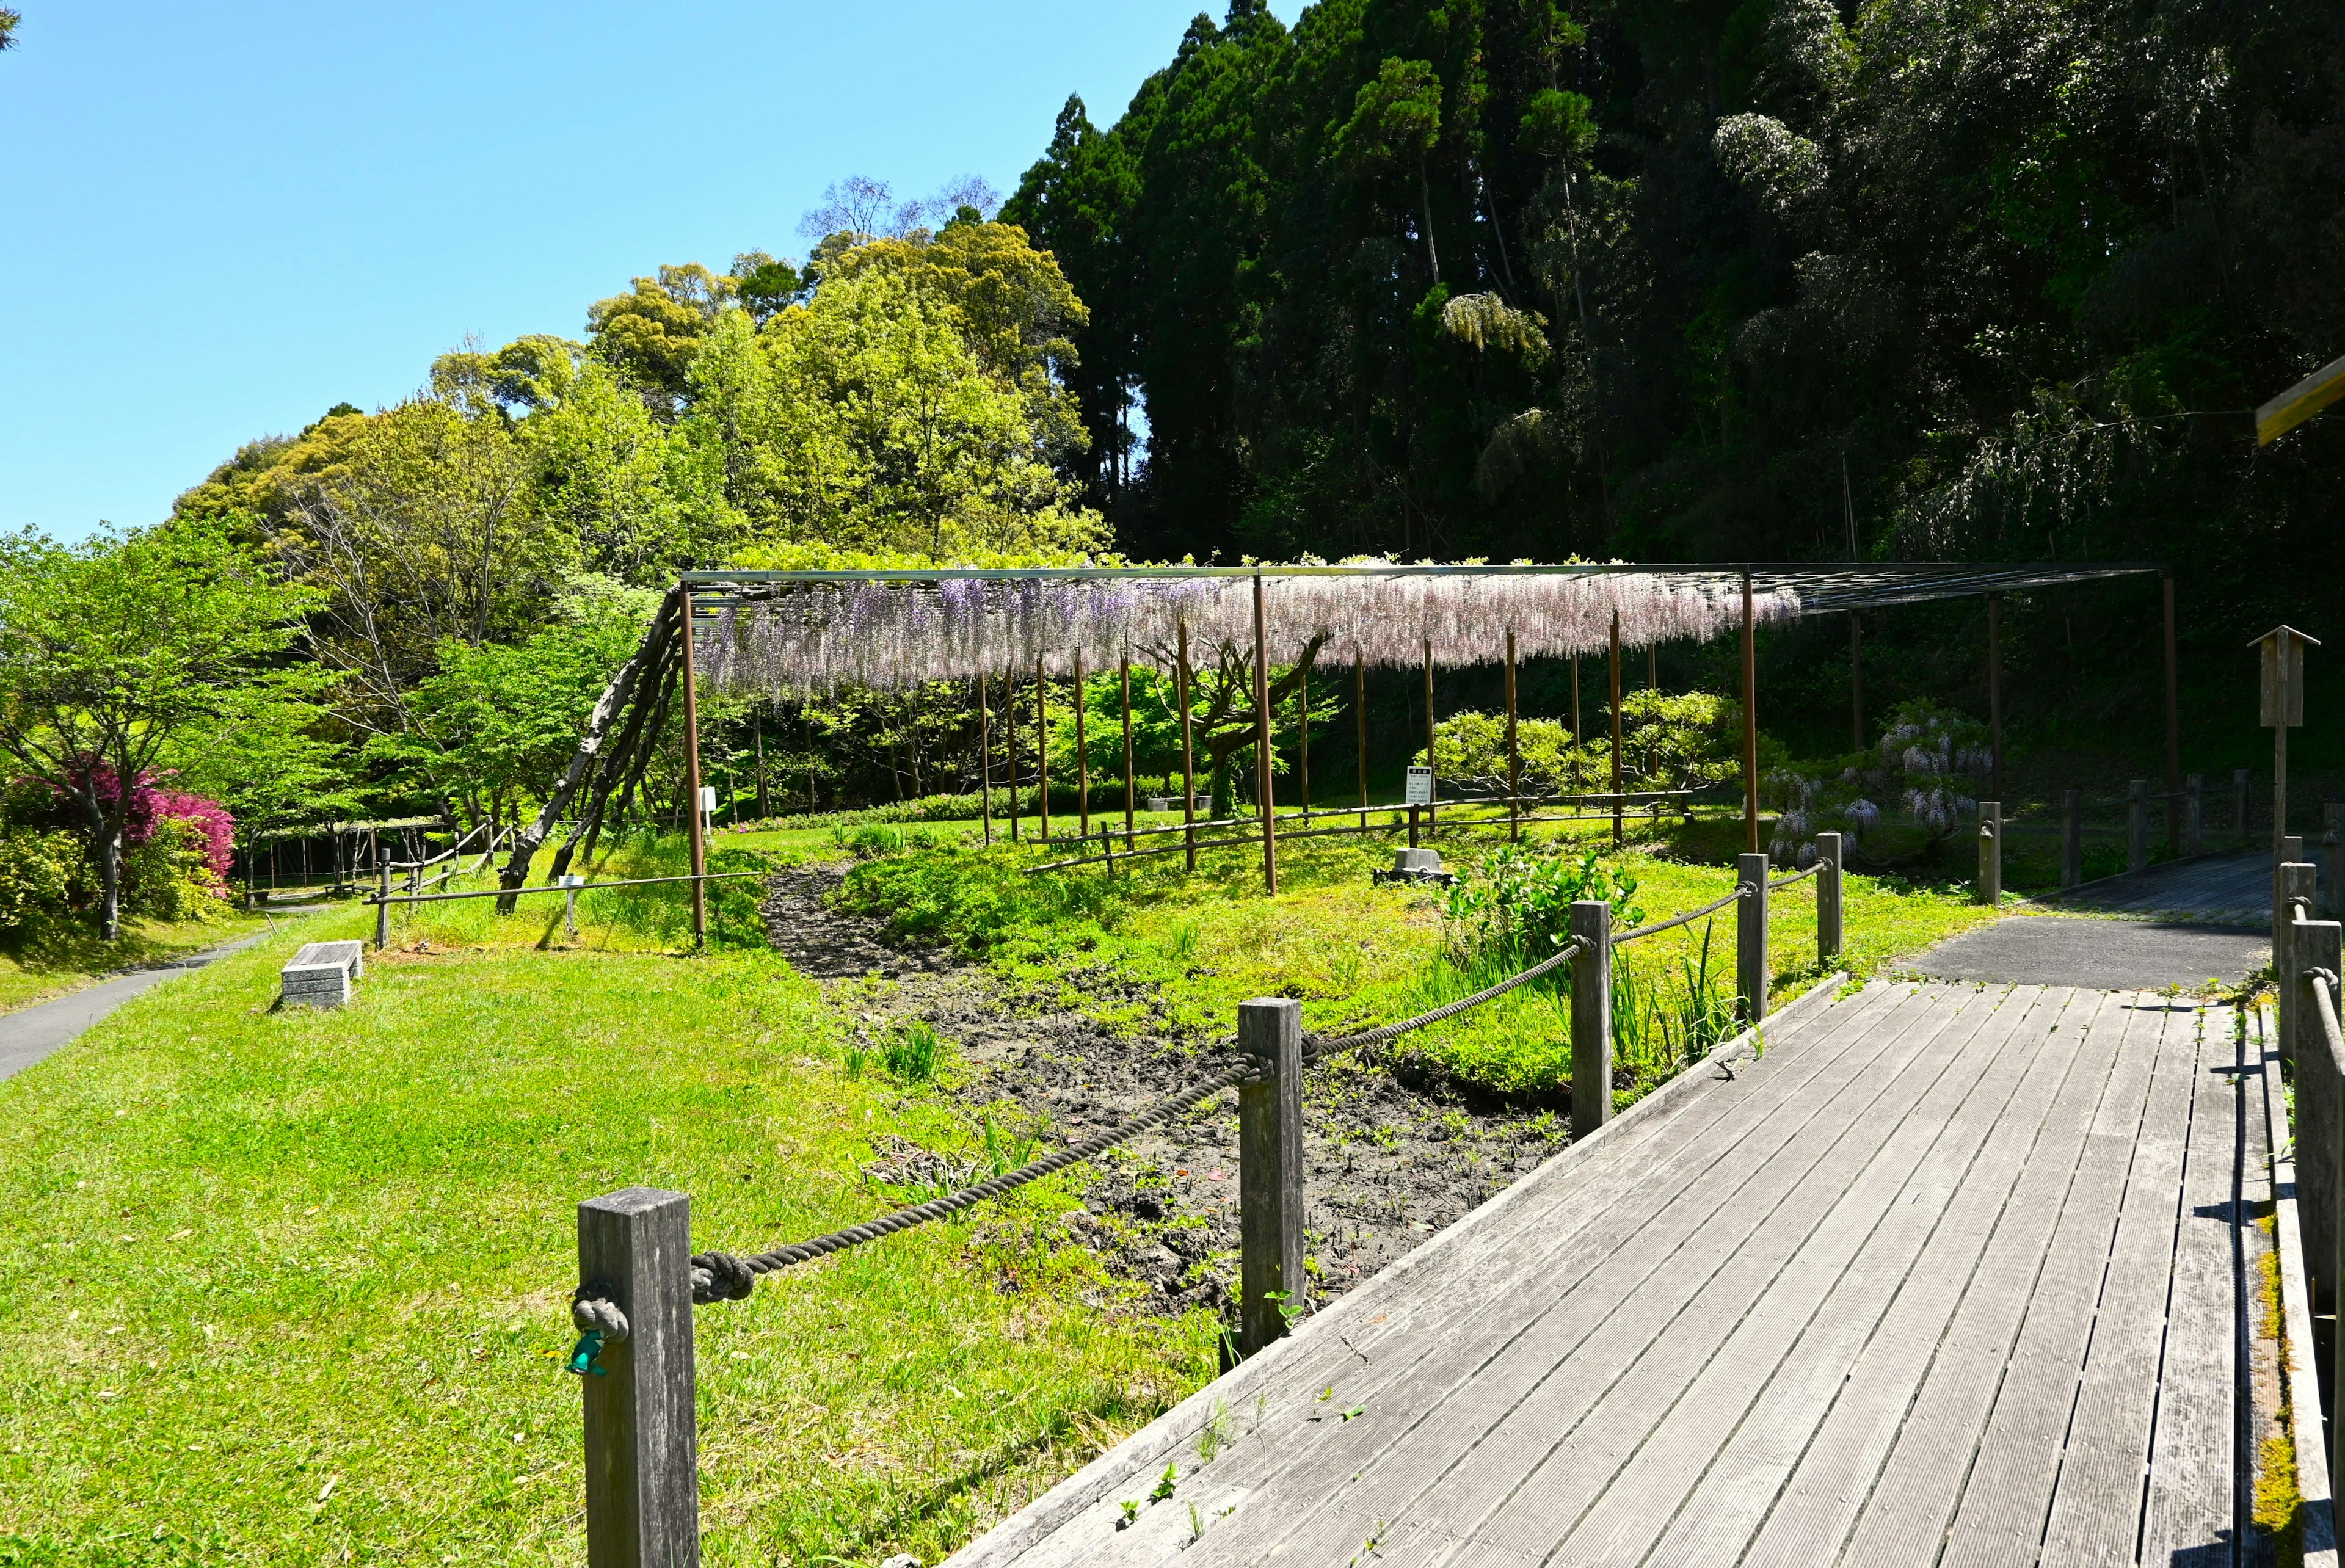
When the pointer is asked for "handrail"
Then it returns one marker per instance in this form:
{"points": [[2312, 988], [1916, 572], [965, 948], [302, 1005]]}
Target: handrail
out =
{"points": [[1786, 881], [581, 888]]}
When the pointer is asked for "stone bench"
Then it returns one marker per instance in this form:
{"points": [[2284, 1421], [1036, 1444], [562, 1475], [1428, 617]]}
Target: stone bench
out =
{"points": [[321, 973]]}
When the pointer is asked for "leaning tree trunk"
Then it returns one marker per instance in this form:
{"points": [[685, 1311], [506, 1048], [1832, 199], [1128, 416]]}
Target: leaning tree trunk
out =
{"points": [[109, 868], [620, 761], [590, 745]]}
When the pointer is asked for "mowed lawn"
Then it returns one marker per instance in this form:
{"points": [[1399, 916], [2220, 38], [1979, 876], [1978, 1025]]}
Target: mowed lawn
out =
{"points": [[292, 1287]]}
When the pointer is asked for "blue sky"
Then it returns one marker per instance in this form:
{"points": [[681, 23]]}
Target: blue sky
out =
{"points": [[220, 221]]}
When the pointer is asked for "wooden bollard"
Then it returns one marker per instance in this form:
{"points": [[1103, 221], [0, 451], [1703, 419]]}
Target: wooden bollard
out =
{"points": [[642, 1479], [2072, 837], [382, 904], [2333, 834], [2138, 825], [2194, 815], [1828, 917], [2291, 879], [1270, 1172], [1990, 847], [1591, 1017], [1751, 970]]}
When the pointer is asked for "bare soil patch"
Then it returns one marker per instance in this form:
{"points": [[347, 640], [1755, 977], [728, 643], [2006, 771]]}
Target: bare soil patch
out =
{"points": [[1388, 1163]]}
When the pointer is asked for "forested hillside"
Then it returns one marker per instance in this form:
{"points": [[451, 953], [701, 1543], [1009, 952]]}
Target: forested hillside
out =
{"points": [[1646, 277]]}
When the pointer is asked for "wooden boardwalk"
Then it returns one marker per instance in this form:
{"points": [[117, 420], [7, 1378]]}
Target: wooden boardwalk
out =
{"points": [[1954, 1274], [2232, 889]]}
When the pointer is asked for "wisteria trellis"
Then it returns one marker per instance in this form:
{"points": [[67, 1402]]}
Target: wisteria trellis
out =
{"points": [[818, 636]]}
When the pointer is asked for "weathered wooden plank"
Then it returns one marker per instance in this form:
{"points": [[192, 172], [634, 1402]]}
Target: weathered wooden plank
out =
{"points": [[1545, 1233], [1904, 1515], [1551, 1407], [1742, 1423], [1343, 1481], [2097, 1500], [1957, 1189], [2315, 1483], [1820, 1501], [2000, 1518], [2193, 1494]]}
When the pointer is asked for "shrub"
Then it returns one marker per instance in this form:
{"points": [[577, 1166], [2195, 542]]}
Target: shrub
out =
{"points": [[39, 873], [1515, 906], [168, 875]]}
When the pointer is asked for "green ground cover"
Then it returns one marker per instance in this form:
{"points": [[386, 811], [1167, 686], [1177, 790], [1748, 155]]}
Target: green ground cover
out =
{"points": [[288, 1285], [291, 1286]]}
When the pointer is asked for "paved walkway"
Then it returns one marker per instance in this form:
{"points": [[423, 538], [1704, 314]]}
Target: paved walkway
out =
{"points": [[1954, 1274], [30, 1034], [2231, 890]]}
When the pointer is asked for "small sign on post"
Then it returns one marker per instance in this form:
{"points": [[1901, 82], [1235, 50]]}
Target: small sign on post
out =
{"points": [[1420, 794], [2281, 709]]}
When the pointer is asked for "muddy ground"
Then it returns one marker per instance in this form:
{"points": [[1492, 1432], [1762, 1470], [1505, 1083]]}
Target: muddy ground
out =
{"points": [[1387, 1162]]}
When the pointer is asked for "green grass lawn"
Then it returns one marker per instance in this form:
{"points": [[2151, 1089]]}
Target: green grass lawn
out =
{"points": [[291, 1286]]}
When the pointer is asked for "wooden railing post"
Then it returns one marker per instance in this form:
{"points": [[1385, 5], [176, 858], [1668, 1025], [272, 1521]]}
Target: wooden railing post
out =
{"points": [[2072, 837], [1271, 1281], [382, 901], [1591, 1017], [1828, 917], [2319, 1108], [2138, 825], [2239, 805], [2194, 817], [2332, 886], [2291, 879], [1990, 868], [642, 1481], [1751, 970]]}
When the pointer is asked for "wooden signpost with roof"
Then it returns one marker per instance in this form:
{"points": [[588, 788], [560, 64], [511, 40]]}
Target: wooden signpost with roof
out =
{"points": [[2282, 708]]}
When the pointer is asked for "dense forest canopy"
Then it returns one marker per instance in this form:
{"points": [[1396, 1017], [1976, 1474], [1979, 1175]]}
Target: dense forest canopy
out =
{"points": [[1647, 277]]}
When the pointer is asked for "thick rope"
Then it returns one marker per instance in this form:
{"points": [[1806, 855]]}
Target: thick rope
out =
{"points": [[1317, 1045], [1688, 919], [1797, 875], [723, 1277]]}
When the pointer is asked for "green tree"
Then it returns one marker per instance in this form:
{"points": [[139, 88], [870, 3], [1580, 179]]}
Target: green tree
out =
{"points": [[650, 334], [1396, 122], [129, 648]]}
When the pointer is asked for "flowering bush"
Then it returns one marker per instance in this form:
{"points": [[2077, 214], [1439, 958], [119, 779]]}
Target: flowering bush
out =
{"points": [[1924, 760]]}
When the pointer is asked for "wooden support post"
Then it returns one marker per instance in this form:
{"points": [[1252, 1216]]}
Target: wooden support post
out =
{"points": [[1188, 748], [1303, 745], [383, 906], [2173, 722], [1131, 784], [1578, 738], [1008, 743], [1431, 735], [1360, 723], [2319, 1115], [1514, 752], [2072, 837], [1750, 721], [985, 756], [2333, 834], [1042, 748], [1750, 969], [1270, 1172], [1618, 834], [2194, 815], [1990, 870], [1994, 689], [643, 1482], [2319, 1102], [764, 801], [2138, 825], [2240, 806], [1856, 679], [1083, 753], [691, 781], [1591, 1017], [2283, 885], [1829, 931], [1266, 794]]}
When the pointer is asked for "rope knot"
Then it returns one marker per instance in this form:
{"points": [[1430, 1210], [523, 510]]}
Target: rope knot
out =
{"points": [[721, 1277], [598, 1315]]}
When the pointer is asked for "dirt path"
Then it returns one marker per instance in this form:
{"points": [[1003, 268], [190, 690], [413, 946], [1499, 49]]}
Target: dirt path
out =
{"points": [[1387, 1165]]}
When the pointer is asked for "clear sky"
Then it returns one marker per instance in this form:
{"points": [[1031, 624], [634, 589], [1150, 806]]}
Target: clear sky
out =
{"points": [[219, 222]]}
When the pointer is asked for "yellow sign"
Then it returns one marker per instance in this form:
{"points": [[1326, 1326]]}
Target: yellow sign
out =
{"points": [[2300, 402]]}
